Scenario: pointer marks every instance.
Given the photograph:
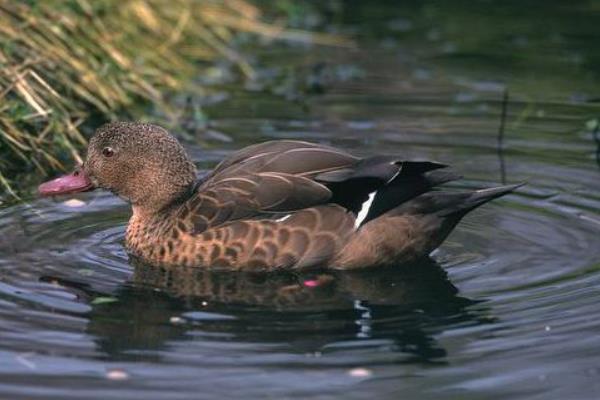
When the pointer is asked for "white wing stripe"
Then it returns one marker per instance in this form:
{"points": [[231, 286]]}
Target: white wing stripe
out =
{"points": [[364, 211]]}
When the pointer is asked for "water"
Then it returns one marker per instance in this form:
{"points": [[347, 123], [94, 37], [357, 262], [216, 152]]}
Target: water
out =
{"points": [[507, 307]]}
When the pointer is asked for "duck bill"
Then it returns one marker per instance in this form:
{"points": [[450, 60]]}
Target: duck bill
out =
{"points": [[75, 182]]}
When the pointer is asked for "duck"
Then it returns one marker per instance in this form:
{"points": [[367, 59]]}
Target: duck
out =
{"points": [[275, 205]]}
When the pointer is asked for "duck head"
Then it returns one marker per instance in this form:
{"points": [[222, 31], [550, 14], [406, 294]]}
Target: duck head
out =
{"points": [[141, 163]]}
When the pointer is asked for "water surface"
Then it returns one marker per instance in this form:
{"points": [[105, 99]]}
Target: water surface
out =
{"points": [[506, 308]]}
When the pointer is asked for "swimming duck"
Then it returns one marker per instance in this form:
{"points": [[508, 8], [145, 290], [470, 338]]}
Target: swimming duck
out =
{"points": [[280, 204]]}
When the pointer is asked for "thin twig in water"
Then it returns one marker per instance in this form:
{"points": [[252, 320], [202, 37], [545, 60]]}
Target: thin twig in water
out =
{"points": [[500, 139], [596, 136]]}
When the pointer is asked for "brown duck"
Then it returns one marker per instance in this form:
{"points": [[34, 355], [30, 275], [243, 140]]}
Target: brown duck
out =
{"points": [[276, 205]]}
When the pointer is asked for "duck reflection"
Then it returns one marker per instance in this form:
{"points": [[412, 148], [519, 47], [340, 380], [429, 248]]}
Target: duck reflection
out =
{"points": [[306, 312]]}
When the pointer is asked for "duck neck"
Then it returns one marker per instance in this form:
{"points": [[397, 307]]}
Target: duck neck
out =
{"points": [[157, 205]]}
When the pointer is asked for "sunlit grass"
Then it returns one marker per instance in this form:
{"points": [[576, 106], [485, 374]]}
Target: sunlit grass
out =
{"points": [[64, 60]]}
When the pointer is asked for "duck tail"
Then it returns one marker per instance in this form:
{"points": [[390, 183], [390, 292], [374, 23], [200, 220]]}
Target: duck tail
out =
{"points": [[446, 204], [482, 196], [441, 211], [415, 228], [460, 204]]}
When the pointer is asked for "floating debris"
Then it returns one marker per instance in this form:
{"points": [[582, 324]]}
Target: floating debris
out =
{"points": [[74, 203], [117, 375], [24, 360], [311, 283], [206, 316], [317, 281], [104, 300], [360, 372]]}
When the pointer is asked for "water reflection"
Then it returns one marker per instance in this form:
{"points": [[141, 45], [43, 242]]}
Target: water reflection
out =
{"points": [[500, 139], [404, 307]]}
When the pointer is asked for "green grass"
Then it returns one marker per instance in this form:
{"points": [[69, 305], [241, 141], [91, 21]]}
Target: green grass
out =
{"points": [[63, 62]]}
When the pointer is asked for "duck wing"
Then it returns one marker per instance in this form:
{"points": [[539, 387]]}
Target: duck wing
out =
{"points": [[284, 156], [249, 196], [285, 176], [266, 178]]}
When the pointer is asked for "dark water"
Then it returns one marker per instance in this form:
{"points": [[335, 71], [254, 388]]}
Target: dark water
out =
{"points": [[507, 308]]}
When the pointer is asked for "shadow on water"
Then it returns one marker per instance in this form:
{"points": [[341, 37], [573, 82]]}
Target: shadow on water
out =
{"points": [[406, 306]]}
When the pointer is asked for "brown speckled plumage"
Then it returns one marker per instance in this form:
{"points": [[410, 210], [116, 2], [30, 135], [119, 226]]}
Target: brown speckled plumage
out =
{"points": [[275, 205]]}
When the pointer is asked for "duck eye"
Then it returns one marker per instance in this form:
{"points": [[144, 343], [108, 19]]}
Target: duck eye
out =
{"points": [[108, 152]]}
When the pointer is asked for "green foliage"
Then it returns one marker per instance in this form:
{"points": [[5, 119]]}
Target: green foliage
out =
{"points": [[65, 61]]}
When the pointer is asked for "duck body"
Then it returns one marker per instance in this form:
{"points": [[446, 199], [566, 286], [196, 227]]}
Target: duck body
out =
{"points": [[275, 205]]}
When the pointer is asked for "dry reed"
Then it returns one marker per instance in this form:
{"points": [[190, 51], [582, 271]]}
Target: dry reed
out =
{"points": [[64, 60]]}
